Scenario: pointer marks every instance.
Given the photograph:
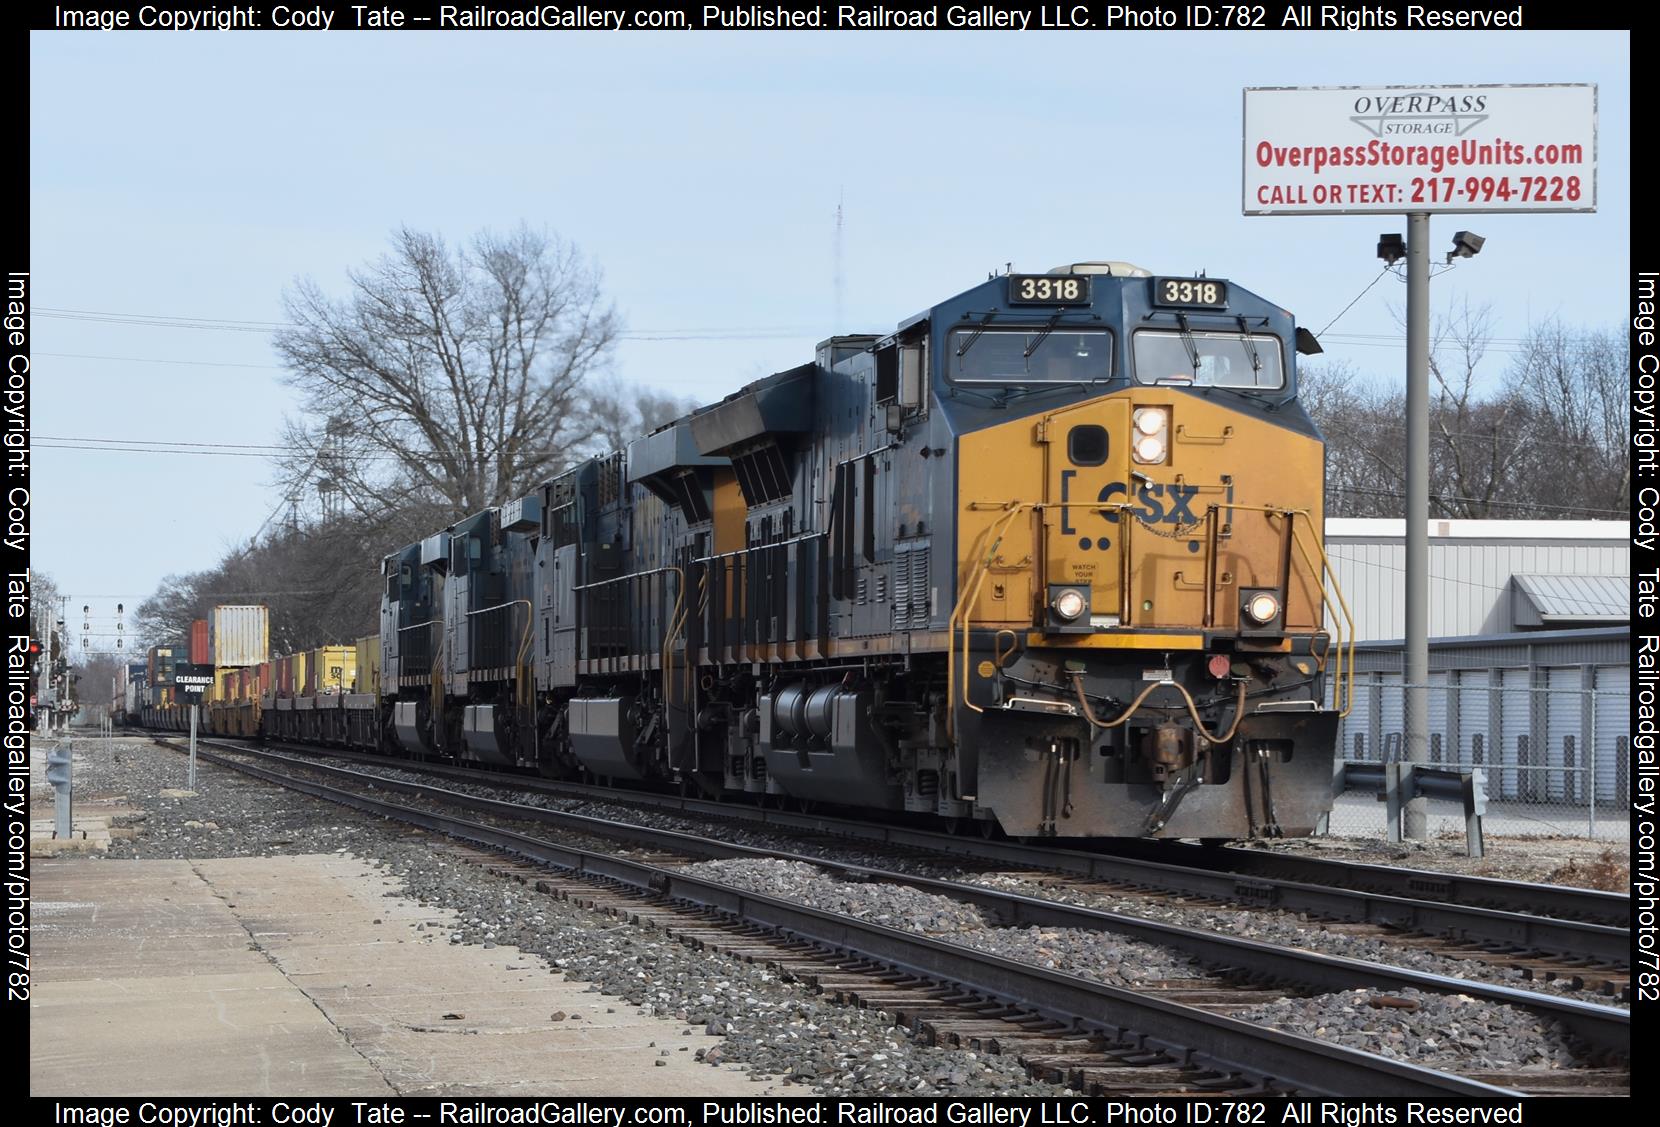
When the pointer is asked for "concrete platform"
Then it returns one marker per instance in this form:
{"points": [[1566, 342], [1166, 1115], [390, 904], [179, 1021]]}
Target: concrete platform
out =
{"points": [[301, 976]]}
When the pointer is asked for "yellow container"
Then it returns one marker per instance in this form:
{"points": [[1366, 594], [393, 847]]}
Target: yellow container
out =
{"points": [[368, 665], [331, 669]]}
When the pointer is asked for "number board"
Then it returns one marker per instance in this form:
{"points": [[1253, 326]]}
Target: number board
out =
{"points": [[1049, 289], [1204, 292]]}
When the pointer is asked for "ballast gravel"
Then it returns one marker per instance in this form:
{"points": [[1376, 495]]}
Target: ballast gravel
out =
{"points": [[734, 1012], [1289, 929], [1095, 955], [779, 1029], [1445, 1031], [1270, 926]]}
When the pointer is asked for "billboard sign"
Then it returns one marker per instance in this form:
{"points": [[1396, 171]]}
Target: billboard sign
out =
{"points": [[1362, 150]]}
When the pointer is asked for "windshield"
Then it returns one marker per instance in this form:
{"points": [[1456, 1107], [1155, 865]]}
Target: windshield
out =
{"points": [[1034, 355], [1223, 359]]}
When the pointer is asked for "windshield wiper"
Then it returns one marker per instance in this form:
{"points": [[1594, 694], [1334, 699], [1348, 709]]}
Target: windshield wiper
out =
{"points": [[979, 330], [1042, 335], [1250, 350], [1189, 344]]}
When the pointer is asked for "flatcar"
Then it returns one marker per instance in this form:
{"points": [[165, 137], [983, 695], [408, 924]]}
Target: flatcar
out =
{"points": [[1046, 559]]}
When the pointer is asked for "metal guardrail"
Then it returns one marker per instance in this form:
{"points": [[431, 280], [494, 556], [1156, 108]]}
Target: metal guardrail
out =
{"points": [[1400, 783]]}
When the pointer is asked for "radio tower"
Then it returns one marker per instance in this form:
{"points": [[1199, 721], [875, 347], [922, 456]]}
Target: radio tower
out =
{"points": [[836, 327]]}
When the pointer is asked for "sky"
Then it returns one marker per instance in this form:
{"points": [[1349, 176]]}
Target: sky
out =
{"points": [[196, 176]]}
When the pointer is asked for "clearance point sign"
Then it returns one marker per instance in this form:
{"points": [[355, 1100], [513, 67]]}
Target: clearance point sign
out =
{"points": [[1359, 150]]}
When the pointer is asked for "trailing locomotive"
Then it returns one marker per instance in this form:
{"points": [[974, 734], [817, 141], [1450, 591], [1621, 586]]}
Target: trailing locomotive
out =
{"points": [[1047, 557]]}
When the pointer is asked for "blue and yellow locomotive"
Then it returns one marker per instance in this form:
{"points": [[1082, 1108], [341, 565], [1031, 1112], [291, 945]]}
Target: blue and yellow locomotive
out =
{"points": [[1046, 557]]}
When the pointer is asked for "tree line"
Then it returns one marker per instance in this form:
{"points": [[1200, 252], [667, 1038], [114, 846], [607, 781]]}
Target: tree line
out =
{"points": [[1548, 439]]}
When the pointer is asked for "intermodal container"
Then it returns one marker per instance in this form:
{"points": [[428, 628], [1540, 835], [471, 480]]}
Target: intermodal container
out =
{"points": [[331, 669], [368, 665], [161, 665], [201, 650], [241, 635]]}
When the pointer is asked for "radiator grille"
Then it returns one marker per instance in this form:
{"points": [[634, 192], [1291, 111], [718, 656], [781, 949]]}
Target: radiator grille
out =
{"points": [[910, 586]]}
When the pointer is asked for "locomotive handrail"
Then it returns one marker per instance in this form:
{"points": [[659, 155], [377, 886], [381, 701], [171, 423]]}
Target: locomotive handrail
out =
{"points": [[1343, 677], [678, 614], [803, 537], [521, 672], [965, 599], [969, 591]]}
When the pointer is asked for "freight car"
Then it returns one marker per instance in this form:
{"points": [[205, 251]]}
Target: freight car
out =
{"points": [[1047, 557]]}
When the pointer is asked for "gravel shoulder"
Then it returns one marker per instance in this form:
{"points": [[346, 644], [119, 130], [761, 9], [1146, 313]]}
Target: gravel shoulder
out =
{"points": [[935, 915], [1575, 861], [779, 1029], [733, 1011]]}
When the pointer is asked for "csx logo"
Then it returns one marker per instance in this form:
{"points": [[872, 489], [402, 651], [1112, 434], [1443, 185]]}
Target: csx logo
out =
{"points": [[1160, 502]]}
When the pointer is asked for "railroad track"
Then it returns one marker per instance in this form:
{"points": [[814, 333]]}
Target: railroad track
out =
{"points": [[1578, 952], [1064, 1027]]}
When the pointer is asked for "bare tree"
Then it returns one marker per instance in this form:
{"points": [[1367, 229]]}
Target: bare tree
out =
{"points": [[445, 379], [1478, 442], [1550, 441], [617, 413], [1573, 384], [1363, 427]]}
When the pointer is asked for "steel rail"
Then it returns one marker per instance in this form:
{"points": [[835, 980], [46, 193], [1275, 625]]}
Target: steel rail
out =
{"points": [[1270, 1057], [1192, 871], [1559, 901], [1601, 1027]]}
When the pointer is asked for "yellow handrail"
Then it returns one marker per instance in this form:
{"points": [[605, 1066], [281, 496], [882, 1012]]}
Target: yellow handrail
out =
{"points": [[969, 592], [1343, 675]]}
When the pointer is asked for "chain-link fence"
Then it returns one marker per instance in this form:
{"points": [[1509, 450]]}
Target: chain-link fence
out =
{"points": [[1555, 744]]}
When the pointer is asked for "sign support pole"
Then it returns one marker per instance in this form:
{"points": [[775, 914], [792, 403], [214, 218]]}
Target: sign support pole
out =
{"points": [[1415, 822], [191, 785]]}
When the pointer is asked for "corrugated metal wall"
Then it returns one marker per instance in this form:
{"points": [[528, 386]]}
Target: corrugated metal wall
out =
{"points": [[1548, 713], [1470, 576]]}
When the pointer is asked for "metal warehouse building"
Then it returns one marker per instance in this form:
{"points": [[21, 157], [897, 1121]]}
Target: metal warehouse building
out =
{"points": [[1486, 576], [1530, 672]]}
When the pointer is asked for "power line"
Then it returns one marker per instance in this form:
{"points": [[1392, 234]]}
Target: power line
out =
{"points": [[216, 324], [1351, 304], [164, 442], [154, 360], [154, 450]]}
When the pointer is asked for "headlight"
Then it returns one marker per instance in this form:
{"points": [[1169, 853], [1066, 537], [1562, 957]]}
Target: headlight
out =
{"points": [[1152, 426], [1262, 608], [1069, 604]]}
